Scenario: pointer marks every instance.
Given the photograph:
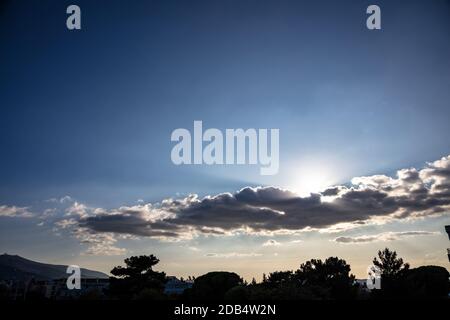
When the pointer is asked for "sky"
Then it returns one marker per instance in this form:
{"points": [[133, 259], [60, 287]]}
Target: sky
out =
{"points": [[87, 115]]}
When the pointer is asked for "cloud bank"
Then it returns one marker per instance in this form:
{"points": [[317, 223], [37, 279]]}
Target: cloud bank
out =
{"points": [[410, 194]]}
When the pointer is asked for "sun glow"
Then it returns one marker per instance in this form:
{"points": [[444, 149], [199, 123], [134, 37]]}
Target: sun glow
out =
{"points": [[311, 179]]}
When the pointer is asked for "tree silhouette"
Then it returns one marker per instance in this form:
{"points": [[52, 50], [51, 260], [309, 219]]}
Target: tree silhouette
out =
{"points": [[213, 285], [330, 278], [279, 277], [393, 272], [136, 266], [315, 279], [389, 265], [427, 282], [138, 280]]}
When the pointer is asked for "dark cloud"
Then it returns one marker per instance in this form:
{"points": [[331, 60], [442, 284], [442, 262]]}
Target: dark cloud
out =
{"points": [[411, 193]]}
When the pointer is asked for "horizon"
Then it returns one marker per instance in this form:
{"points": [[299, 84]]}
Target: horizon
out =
{"points": [[258, 278]]}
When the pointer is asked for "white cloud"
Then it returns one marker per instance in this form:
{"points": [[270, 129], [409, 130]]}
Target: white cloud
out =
{"points": [[61, 200], [233, 255], [271, 243], [15, 212], [98, 243], [77, 209], [66, 223]]}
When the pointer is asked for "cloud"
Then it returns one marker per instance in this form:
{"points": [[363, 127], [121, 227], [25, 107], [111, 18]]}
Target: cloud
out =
{"points": [[411, 194], [271, 243], [233, 255], [66, 223], [15, 212], [49, 212], [275, 243], [385, 236], [77, 209], [98, 243], [61, 200]]}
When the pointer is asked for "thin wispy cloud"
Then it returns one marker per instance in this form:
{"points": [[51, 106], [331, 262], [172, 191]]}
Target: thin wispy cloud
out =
{"points": [[99, 244], [385, 236], [15, 212], [233, 255], [271, 243]]}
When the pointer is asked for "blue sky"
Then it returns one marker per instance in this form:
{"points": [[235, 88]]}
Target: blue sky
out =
{"points": [[89, 113]]}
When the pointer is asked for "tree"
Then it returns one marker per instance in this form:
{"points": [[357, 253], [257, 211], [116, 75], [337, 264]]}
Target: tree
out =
{"points": [[427, 282], [389, 265], [136, 266], [137, 279], [393, 272], [213, 285], [315, 279], [237, 293], [279, 278], [330, 279], [264, 278]]}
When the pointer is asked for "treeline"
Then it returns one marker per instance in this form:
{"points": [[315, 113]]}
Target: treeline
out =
{"points": [[313, 280]]}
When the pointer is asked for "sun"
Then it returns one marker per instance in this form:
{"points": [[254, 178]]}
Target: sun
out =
{"points": [[311, 179]]}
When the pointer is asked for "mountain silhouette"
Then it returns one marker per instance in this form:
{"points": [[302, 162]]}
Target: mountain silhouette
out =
{"points": [[14, 267]]}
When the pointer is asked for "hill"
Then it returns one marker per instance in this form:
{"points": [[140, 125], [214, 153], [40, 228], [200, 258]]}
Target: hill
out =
{"points": [[14, 267]]}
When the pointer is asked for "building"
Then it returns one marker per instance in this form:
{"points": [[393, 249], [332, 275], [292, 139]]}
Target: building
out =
{"points": [[447, 229], [57, 289]]}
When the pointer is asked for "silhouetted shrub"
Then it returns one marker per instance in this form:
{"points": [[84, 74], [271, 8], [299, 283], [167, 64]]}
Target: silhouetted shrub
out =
{"points": [[213, 285], [238, 293], [427, 282]]}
